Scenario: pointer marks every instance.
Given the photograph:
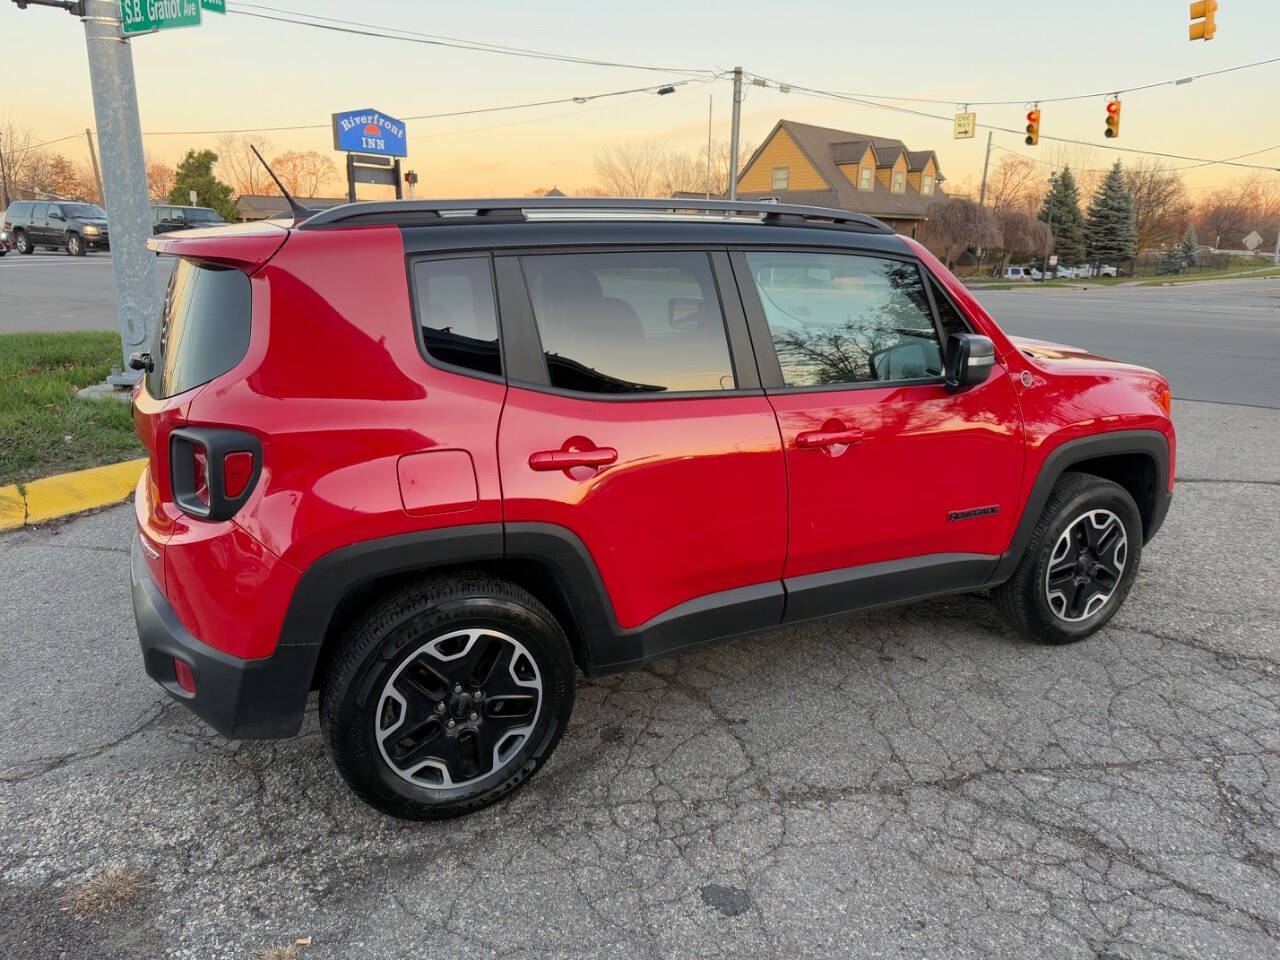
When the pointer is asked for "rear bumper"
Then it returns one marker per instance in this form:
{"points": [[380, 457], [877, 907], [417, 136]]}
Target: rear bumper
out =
{"points": [[241, 699]]}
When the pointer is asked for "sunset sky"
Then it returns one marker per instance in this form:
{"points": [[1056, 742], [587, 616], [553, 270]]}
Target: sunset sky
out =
{"points": [[240, 72]]}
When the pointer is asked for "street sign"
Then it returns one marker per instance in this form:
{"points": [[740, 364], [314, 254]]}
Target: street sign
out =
{"points": [[147, 16], [1053, 260], [214, 6], [966, 126], [369, 131], [1252, 240]]}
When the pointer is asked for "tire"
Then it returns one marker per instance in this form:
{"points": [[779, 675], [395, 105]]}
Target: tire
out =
{"points": [[398, 729], [1090, 529], [21, 242], [75, 245]]}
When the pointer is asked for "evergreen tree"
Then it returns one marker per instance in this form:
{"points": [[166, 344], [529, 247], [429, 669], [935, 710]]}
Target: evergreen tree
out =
{"points": [[1066, 222], [1110, 230], [195, 172], [1187, 249]]}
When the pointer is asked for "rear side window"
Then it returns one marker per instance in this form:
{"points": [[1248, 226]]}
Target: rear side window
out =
{"points": [[204, 329], [457, 319], [622, 323], [846, 319]]}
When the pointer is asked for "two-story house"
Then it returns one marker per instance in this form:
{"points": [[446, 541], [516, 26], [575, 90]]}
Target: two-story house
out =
{"points": [[819, 166]]}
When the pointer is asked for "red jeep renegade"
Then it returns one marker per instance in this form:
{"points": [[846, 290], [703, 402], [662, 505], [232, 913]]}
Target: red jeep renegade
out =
{"points": [[431, 458]]}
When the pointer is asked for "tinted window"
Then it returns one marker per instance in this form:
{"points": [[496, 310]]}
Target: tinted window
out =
{"points": [[630, 322], [456, 314], [53, 211], [838, 318], [948, 313], [39, 211], [20, 209], [204, 329], [88, 211]]}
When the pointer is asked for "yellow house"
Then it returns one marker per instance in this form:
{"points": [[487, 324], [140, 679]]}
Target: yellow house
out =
{"points": [[821, 166]]}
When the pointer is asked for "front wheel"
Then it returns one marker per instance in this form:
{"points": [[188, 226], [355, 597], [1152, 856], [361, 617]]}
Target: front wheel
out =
{"points": [[448, 696], [75, 246], [1079, 565]]}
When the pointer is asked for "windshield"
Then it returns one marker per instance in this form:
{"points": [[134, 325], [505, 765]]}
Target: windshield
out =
{"points": [[86, 211], [203, 214]]}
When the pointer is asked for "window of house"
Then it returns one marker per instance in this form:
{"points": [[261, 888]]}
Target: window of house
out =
{"points": [[630, 323], [846, 319], [926, 185], [456, 313], [864, 178], [781, 178], [899, 182]]}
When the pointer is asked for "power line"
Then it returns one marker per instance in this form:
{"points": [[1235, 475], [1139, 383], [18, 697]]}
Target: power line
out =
{"points": [[1178, 81], [581, 99], [359, 28], [1190, 166], [37, 146]]}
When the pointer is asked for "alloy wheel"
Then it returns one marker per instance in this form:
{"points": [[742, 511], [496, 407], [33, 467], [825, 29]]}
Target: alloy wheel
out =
{"points": [[1086, 565], [458, 708]]}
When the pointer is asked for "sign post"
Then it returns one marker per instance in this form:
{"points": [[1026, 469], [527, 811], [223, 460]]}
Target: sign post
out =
{"points": [[374, 143]]}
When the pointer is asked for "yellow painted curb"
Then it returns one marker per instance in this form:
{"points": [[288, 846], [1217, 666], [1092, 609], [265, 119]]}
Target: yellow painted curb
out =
{"points": [[68, 493]]}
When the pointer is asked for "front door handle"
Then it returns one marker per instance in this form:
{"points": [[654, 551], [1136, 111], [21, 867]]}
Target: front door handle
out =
{"points": [[818, 439], [567, 459]]}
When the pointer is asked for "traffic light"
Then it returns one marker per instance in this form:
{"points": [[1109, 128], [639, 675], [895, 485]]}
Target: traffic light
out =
{"points": [[1033, 126], [1113, 118], [1203, 22]]}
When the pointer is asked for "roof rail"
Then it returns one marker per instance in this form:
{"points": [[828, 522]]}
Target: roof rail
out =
{"points": [[421, 212]]}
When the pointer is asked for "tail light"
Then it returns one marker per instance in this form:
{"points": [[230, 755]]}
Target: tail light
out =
{"points": [[213, 470]]}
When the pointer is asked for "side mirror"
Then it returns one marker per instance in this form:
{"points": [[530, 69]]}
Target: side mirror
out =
{"points": [[970, 357], [55, 215]]}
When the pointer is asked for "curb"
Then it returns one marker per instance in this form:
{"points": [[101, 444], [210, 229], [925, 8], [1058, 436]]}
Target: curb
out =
{"points": [[67, 493]]}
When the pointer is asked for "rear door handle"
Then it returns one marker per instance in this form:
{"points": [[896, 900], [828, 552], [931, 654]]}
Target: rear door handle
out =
{"points": [[565, 459], [816, 439]]}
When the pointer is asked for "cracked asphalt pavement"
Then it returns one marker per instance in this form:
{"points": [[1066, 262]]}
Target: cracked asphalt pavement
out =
{"points": [[913, 782]]}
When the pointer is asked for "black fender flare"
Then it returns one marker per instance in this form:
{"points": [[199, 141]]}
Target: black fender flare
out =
{"points": [[1151, 443]]}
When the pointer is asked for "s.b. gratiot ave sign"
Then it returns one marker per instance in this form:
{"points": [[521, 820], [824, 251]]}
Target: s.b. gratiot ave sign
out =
{"points": [[147, 16], [369, 131]]}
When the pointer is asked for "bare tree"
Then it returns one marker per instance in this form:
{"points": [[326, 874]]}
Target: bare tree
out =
{"points": [[1160, 203], [1014, 185], [304, 172], [953, 226], [1022, 235], [160, 180], [631, 169], [239, 167]]}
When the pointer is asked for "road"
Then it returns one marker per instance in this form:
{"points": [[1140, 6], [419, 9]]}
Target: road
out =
{"points": [[48, 291], [1216, 340], [914, 783]]}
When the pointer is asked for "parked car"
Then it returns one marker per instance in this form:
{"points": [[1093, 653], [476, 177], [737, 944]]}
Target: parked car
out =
{"points": [[1016, 273], [74, 227], [581, 434], [166, 218], [1106, 270], [4, 242], [1066, 273]]}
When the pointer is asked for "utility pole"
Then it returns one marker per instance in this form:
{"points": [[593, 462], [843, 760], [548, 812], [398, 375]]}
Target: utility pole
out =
{"points": [[709, 112], [115, 111], [93, 158], [982, 194], [1053, 185], [4, 174], [1275, 257], [733, 134]]}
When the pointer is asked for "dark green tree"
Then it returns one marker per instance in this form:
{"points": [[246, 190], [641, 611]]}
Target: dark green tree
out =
{"points": [[195, 172], [1187, 249], [1110, 230], [1063, 199]]}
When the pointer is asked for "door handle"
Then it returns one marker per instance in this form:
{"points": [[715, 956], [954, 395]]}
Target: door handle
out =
{"points": [[566, 459], [817, 439]]}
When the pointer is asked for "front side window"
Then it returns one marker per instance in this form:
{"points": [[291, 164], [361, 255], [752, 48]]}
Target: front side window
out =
{"points": [[899, 182], [846, 319], [864, 178], [55, 211], [456, 314], [781, 178], [629, 323]]}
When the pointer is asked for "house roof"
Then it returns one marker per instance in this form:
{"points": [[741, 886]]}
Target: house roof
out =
{"points": [[554, 192], [825, 148]]}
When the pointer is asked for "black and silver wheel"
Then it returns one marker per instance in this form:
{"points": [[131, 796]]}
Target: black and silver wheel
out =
{"points": [[22, 242], [75, 246], [447, 697], [1079, 565]]}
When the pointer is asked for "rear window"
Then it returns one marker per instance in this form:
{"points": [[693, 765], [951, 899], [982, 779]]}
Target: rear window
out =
{"points": [[204, 329], [20, 209]]}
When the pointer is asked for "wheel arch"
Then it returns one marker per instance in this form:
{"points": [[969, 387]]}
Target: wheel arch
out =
{"points": [[1137, 460]]}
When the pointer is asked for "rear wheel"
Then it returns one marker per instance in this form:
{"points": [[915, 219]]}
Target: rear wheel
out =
{"points": [[1080, 564], [21, 241], [448, 696], [75, 246]]}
